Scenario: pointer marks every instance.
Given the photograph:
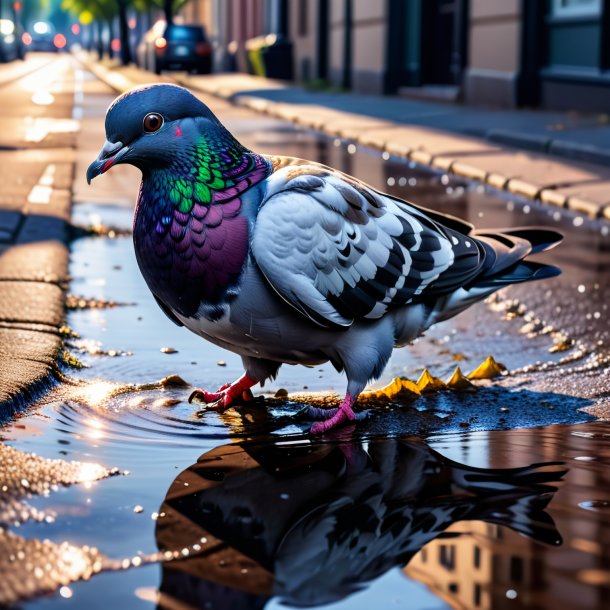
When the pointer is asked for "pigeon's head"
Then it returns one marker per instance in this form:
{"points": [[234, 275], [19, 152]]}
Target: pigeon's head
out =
{"points": [[151, 126]]}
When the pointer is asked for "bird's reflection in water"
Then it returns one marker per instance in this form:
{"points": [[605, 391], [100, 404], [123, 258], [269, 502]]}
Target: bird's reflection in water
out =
{"points": [[313, 523]]}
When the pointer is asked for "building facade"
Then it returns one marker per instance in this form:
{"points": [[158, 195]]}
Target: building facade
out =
{"points": [[553, 54]]}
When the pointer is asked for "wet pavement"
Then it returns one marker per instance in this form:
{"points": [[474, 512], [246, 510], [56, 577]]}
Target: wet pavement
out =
{"points": [[418, 507]]}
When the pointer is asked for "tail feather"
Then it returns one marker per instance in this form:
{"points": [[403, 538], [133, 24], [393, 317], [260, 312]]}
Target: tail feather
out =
{"points": [[541, 239], [503, 261], [506, 255], [523, 271]]}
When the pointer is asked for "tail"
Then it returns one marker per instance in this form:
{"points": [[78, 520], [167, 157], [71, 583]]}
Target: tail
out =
{"points": [[504, 262], [505, 254]]}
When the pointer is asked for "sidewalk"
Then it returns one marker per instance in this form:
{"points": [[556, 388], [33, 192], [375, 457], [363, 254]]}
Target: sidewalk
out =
{"points": [[35, 201], [557, 158]]}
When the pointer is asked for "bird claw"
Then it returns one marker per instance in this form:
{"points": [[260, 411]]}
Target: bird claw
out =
{"points": [[204, 396], [318, 414], [336, 417], [216, 407]]}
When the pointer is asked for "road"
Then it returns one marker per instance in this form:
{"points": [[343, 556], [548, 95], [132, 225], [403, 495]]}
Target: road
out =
{"points": [[553, 337]]}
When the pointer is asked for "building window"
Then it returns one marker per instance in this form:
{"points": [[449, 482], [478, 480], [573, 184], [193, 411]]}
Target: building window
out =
{"points": [[453, 587], [477, 557], [303, 15], [516, 569], [577, 8], [476, 597], [447, 556]]}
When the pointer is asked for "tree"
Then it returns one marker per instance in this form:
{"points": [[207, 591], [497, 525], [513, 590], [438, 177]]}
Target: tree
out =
{"points": [[104, 11]]}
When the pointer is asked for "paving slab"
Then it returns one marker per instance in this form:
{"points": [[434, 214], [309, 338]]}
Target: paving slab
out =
{"points": [[36, 173]]}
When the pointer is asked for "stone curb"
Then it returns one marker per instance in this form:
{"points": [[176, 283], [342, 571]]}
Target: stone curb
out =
{"points": [[377, 133], [453, 165]]}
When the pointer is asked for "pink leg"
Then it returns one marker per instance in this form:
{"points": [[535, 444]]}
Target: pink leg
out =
{"points": [[338, 416], [224, 397]]}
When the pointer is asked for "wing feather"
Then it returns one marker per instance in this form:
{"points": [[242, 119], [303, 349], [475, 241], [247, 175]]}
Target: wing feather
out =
{"points": [[337, 250]]}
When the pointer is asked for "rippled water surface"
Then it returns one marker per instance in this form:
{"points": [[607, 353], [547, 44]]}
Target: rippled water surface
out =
{"points": [[244, 510]]}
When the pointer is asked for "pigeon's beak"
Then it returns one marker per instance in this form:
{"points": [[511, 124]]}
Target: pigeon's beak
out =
{"points": [[110, 155]]}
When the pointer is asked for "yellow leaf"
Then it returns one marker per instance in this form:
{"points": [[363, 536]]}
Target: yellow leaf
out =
{"points": [[397, 388], [429, 383], [487, 369], [459, 382]]}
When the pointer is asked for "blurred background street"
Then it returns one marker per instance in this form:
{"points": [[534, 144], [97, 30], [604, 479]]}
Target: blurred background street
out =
{"points": [[114, 490]]}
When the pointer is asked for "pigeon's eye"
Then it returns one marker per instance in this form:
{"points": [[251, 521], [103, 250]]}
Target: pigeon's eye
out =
{"points": [[152, 122]]}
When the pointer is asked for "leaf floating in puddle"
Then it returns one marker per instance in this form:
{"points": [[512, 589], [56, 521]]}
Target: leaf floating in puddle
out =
{"points": [[398, 388], [168, 350], [428, 383], [459, 382], [487, 369]]}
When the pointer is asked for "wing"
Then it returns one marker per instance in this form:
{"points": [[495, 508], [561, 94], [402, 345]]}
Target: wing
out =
{"points": [[337, 250]]}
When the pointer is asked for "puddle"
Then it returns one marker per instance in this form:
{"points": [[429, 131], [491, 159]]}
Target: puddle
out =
{"points": [[256, 515]]}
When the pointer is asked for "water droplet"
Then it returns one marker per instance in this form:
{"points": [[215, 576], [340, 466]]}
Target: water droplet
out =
{"points": [[578, 221], [285, 496], [221, 363], [412, 181], [527, 209], [65, 592], [444, 179], [337, 142], [605, 230], [136, 561], [581, 288], [511, 594], [169, 350], [557, 216], [391, 181], [385, 155], [138, 509], [585, 458], [595, 505], [154, 516], [351, 149], [402, 181]]}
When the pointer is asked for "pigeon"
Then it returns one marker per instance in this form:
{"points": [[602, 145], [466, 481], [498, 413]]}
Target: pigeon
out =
{"points": [[284, 260]]}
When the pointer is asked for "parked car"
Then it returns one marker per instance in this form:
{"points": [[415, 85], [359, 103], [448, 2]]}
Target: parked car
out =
{"points": [[175, 47], [10, 42], [40, 37], [145, 51]]}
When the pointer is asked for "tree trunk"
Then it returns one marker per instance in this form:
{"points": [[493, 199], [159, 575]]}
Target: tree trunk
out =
{"points": [[124, 33], [100, 41], [110, 37], [168, 9]]}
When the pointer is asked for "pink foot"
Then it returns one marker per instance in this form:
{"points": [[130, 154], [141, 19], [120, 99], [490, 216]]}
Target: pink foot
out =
{"points": [[226, 395], [339, 416]]}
